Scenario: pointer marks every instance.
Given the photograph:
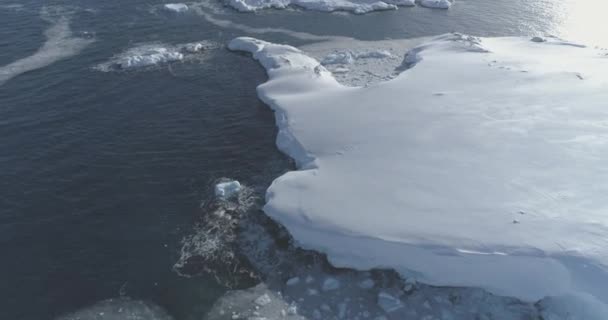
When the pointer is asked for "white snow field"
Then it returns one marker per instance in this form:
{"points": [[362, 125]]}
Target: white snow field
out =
{"points": [[354, 6], [482, 165]]}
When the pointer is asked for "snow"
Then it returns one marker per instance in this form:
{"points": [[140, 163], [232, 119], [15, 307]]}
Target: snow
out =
{"points": [[227, 189], [354, 6], [426, 173], [176, 7]]}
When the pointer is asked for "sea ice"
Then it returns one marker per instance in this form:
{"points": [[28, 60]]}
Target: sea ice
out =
{"points": [[388, 302], [119, 309], [60, 44], [354, 6], [425, 173], [176, 7], [227, 189], [330, 284], [437, 4], [154, 54]]}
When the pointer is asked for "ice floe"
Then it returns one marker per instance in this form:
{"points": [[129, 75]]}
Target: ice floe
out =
{"points": [[436, 4], [227, 189], [427, 172], [354, 6], [155, 54], [60, 44], [176, 7]]}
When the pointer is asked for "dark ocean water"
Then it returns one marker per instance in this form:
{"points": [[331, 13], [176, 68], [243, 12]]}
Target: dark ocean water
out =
{"points": [[103, 173]]}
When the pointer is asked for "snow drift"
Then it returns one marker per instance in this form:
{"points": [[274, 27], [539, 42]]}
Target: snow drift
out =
{"points": [[482, 165]]}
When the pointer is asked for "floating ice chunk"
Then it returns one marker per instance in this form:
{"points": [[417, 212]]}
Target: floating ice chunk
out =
{"points": [[366, 284], [293, 281], [193, 47], [309, 279], [375, 54], [227, 189], [354, 6], [153, 54], [176, 7], [402, 3], [438, 4], [330, 284], [263, 300], [338, 58], [312, 292], [150, 57], [292, 309], [388, 302]]}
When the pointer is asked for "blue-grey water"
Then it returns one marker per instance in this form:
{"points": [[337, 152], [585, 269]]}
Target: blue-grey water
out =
{"points": [[103, 173]]}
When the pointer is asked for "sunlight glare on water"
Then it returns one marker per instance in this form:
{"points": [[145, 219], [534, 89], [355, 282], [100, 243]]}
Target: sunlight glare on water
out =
{"points": [[582, 21]]}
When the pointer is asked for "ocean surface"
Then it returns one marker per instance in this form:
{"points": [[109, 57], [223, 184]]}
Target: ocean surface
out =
{"points": [[103, 173]]}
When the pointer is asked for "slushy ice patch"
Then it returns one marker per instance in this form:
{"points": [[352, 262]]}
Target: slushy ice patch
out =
{"points": [[60, 44], [119, 309], [212, 247], [147, 56]]}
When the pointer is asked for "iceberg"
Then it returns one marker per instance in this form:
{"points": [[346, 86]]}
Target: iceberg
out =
{"points": [[427, 173]]}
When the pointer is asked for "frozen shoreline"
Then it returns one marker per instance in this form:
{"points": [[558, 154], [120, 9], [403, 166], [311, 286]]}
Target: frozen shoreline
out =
{"points": [[512, 252]]}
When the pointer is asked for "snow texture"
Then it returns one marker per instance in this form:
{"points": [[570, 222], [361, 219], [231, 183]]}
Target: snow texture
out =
{"points": [[354, 6], [480, 166]]}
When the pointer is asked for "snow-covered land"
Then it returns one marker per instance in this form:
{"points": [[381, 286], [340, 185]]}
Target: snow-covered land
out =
{"points": [[481, 166], [354, 6]]}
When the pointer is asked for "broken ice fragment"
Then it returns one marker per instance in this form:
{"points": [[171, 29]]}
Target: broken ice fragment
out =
{"points": [[227, 189]]}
